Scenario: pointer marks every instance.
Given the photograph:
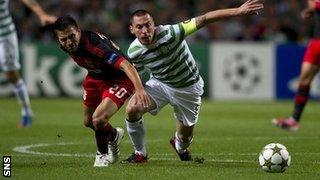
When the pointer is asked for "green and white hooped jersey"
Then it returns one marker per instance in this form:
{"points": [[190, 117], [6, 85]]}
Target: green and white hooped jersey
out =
{"points": [[168, 59], [6, 23]]}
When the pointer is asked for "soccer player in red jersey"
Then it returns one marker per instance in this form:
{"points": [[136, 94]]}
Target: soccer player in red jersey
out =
{"points": [[111, 79], [310, 67]]}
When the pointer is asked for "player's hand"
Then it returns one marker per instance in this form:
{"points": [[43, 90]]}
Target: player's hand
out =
{"points": [[46, 19], [141, 96], [250, 7], [306, 14]]}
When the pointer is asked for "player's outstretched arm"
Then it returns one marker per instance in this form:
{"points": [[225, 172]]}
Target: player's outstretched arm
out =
{"points": [[309, 10], [140, 94], [42, 15], [247, 8]]}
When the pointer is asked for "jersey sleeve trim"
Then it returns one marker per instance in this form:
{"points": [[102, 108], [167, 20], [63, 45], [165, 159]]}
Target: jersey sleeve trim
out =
{"points": [[119, 61]]}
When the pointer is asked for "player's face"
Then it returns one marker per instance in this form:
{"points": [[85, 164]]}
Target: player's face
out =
{"points": [[69, 38], [143, 28]]}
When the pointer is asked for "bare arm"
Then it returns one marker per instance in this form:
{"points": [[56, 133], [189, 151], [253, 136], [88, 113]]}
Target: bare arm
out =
{"points": [[42, 15], [309, 10], [248, 8], [135, 79], [311, 4]]}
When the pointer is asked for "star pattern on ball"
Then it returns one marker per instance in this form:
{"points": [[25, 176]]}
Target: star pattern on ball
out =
{"points": [[284, 164], [276, 149], [268, 164], [269, 158]]}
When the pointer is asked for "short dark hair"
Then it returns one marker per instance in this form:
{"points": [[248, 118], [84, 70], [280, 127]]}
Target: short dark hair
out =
{"points": [[64, 22], [139, 12]]}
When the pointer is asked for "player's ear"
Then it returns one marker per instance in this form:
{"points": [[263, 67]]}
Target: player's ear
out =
{"points": [[131, 28]]}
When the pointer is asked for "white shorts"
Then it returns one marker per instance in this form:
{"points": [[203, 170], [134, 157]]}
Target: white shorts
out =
{"points": [[185, 101], [9, 53]]}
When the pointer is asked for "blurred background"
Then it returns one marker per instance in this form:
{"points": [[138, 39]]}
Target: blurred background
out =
{"points": [[255, 57], [279, 22]]}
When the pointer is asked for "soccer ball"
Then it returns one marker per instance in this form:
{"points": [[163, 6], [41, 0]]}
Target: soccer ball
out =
{"points": [[274, 158]]}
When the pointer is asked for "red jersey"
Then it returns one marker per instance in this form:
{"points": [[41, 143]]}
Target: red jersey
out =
{"points": [[99, 56]]}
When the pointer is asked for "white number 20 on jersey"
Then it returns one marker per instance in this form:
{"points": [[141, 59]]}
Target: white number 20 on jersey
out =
{"points": [[117, 91]]}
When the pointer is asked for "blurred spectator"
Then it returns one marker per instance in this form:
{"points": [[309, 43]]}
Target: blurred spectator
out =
{"points": [[279, 22]]}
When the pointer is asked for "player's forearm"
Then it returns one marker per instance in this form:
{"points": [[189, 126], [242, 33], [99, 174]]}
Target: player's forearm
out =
{"points": [[213, 16], [132, 74], [311, 5], [34, 6], [310, 9], [247, 8]]}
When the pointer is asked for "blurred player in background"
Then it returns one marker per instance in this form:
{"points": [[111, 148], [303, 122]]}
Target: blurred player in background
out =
{"points": [[9, 54], [309, 69], [175, 78], [111, 79]]}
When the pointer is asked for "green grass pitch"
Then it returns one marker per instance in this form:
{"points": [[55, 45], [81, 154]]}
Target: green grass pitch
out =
{"points": [[229, 136]]}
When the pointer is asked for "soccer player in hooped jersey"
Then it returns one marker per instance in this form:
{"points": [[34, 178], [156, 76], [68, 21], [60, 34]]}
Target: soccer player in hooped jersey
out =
{"points": [[111, 79], [175, 78], [309, 69], [9, 54]]}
